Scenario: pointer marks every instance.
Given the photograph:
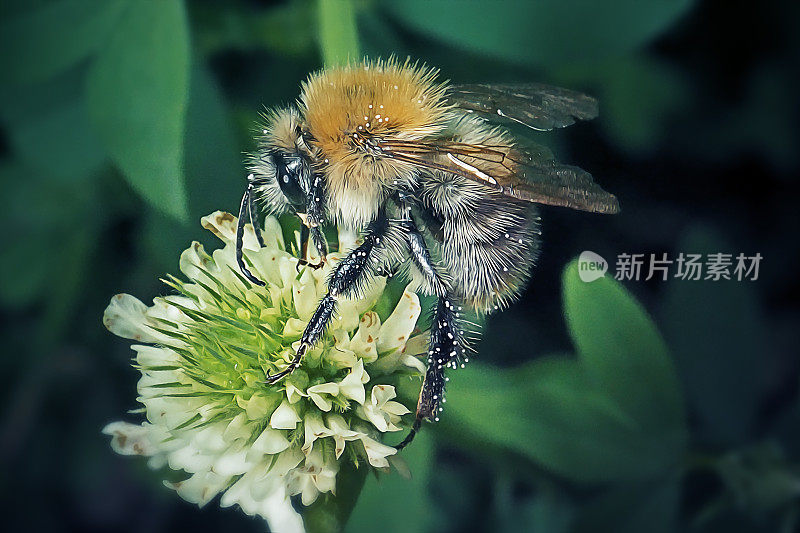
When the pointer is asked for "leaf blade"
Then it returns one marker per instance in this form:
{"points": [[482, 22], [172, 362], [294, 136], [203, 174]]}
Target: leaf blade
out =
{"points": [[49, 40], [138, 93]]}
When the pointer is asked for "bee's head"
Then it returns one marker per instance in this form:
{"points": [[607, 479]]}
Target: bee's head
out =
{"points": [[281, 167]]}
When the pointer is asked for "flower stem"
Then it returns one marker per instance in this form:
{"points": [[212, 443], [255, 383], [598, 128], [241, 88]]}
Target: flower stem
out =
{"points": [[338, 33]]}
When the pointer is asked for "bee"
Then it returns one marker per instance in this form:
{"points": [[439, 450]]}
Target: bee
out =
{"points": [[432, 180]]}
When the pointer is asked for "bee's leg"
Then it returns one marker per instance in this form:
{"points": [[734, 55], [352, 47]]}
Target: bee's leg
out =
{"points": [[420, 256], [446, 346], [315, 212], [251, 209], [245, 212], [350, 275], [320, 243]]}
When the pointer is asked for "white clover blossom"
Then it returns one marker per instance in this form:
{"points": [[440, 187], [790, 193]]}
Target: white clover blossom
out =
{"points": [[204, 357]]}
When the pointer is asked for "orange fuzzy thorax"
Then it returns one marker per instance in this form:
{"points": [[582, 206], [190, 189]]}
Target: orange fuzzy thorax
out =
{"points": [[373, 98]]}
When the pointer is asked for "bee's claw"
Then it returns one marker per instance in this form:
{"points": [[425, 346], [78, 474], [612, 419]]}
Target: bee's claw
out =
{"points": [[301, 350], [306, 262]]}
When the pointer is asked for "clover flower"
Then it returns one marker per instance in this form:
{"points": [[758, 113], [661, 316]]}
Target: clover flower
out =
{"points": [[205, 352]]}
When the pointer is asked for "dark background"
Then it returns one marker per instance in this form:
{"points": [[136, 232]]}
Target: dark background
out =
{"points": [[698, 137]]}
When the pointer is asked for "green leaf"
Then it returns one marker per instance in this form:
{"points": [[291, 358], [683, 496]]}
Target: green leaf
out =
{"points": [[542, 33], [623, 354], [50, 122], [548, 412], [396, 503], [138, 92], [338, 34], [214, 172], [613, 414], [51, 38]]}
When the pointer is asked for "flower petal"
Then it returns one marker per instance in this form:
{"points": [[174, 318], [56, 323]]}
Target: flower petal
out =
{"points": [[125, 317], [271, 441], [365, 339], [350, 309], [352, 386], [304, 293], [316, 394], [232, 463], [398, 327], [132, 439], [377, 452], [200, 488], [276, 508], [194, 260], [284, 417], [314, 428]]}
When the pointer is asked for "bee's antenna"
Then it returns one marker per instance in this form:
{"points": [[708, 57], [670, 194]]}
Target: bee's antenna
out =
{"points": [[245, 210], [411, 434]]}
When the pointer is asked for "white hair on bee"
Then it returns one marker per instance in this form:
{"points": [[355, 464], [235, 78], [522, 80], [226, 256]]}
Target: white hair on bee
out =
{"points": [[492, 240]]}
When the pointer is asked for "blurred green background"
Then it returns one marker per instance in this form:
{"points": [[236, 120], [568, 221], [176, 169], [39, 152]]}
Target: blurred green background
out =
{"points": [[122, 122]]}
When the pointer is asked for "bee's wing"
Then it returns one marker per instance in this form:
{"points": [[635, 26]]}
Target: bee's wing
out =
{"points": [[528, 173], [537, 106]]}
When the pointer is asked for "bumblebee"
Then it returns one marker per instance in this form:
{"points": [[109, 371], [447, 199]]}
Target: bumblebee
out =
{"points": [[427, 174]]}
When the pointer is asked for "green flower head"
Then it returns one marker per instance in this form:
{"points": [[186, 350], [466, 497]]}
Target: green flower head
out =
{"points": [[205, 352]]}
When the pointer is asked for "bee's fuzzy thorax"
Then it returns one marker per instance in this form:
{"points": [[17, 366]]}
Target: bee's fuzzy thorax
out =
{"points": [[372, 98]]}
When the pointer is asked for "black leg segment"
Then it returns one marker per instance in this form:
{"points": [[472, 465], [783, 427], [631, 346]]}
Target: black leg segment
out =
{"points": [[445, 348], [347, 279], [420, 256], [246, 211]]}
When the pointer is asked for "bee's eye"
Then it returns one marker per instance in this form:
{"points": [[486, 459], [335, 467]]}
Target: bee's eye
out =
{"points": [[289, 171]]}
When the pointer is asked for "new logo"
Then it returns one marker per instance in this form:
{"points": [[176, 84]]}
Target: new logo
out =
{"points": [[591, 266]]}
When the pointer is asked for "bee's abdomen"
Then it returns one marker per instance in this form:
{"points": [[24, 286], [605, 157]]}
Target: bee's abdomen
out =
{"points": [[489, 242]]}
